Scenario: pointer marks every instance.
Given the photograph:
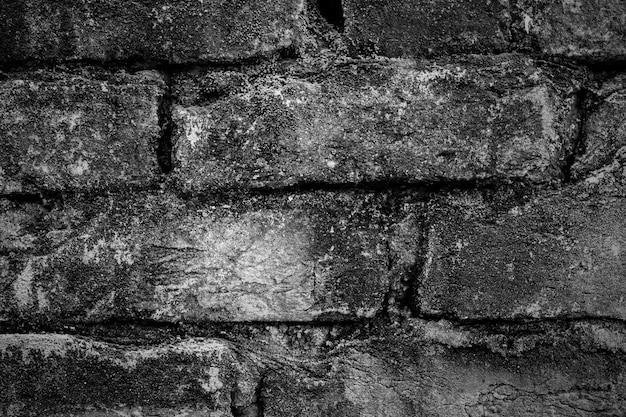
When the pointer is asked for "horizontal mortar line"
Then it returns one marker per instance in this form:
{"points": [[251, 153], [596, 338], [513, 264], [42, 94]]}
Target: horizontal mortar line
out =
{"points": [[426, 187], [42, 195], [383, 186], [486, 322], [139, 330], [134, 329], [134, 65]]}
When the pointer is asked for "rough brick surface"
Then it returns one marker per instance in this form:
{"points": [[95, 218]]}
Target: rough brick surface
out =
{"points": [[295, 258], [423, 368], [409, 28], [78, 130], [604, 133], [589, 30], [559, 255], [398, 121], [409, 376], [64, 375], [321, 208], [162, 30]]}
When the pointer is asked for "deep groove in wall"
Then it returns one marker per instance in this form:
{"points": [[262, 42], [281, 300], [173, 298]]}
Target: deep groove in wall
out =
{"points": [[50, 196], [164, 148], [578, 147], [411, 302], [337, 334], [259, 397], [418, 188], [421, 191], [616, 66], [503, 322], [130, 326], [135, 65], [332, 12]]}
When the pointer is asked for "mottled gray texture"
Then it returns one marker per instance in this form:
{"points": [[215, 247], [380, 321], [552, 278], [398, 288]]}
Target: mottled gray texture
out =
{"points": [[79, 130], [389, 121], [556, 255], [587, 30], [302, 257], [423, 368], [162, 30], [416, 28]]}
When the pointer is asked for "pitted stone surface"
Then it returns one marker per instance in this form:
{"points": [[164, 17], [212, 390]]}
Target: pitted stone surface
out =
{"points": [[163, 30], [588, 30], [65, 375], [389, 121], [559, 255], [604, 133], [294, 258], [416, 28], [79, 130]]}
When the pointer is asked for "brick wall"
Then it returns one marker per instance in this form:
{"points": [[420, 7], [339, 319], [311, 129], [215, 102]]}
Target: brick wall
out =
{"points": [[312, 208]]}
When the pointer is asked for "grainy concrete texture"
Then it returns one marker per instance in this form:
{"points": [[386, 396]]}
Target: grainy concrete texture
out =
{"points": [[325, 208]]}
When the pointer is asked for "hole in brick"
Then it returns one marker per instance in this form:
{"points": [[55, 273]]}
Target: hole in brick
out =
{"points": [[332, 11]]}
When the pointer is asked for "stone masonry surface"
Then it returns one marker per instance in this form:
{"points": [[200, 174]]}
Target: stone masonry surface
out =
{"points": [[401, 121], [163, 30], [325, 208], [78, 131]]}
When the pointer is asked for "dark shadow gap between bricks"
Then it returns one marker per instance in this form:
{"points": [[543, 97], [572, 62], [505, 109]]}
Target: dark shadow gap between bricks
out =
{"points": [[332, 11]]}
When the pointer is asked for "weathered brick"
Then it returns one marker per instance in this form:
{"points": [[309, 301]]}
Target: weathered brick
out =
{"points": [[398, 121], [604, 132], [78, 130], [47, 374], [589, 30], [407, 377], [161, 30], [421, 368], [559, 255], [408, 28], [318, 256]]}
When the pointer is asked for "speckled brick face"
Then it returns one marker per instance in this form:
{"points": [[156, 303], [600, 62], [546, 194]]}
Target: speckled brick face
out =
{"points": [[294, 259], [321, 208], [405, 121], [162, 30], [79, 130]]}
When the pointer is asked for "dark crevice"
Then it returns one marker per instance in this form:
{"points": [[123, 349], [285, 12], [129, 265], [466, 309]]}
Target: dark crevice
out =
{"points": [[164, 148], [610, 66], [578, 145], [137, 332], [255, 408], [332, 12], [420, 191], [47, 199], [51, 196], [415, 283], [494, 323], [260, 398], [133, 65], [418, 188], [133, 329]]}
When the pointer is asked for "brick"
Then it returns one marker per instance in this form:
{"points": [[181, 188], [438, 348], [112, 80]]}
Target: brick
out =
{"points": [[588, 30], [317, 256], [62, 375], [604, 133], [79, 130], [389, 121], [405, 377], [419, 368], [559, 255], [407, 28], [162, 30]]}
